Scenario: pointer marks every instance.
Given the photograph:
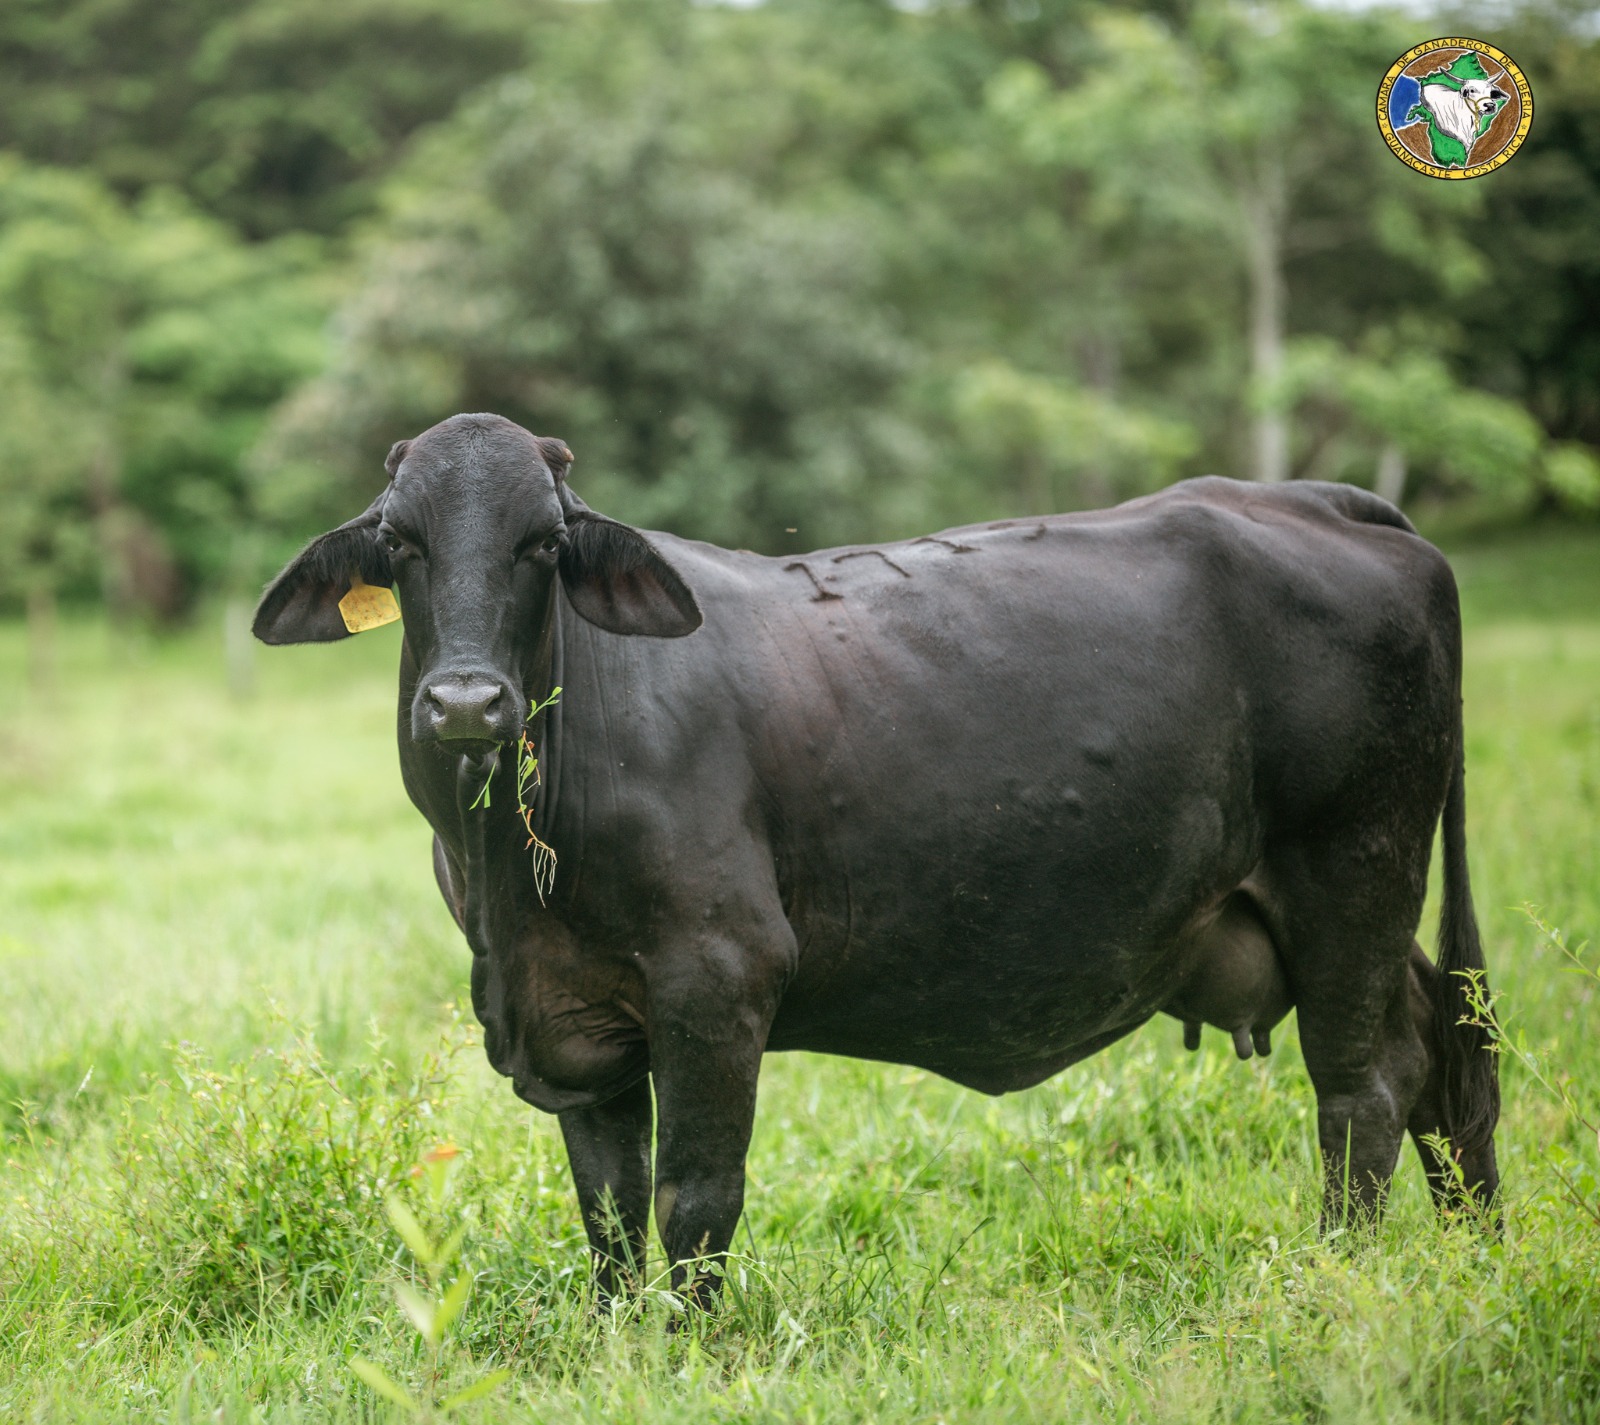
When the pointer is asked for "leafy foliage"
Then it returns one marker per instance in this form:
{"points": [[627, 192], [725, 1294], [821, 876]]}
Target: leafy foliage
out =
{"points": [[786, 274], [1352, 404], [274, 115], [145, 346], [560, 257], [1532, 330]]}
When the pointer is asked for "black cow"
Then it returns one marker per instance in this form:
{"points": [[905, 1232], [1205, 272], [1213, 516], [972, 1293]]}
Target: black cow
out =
{"points": [[981, 802]]}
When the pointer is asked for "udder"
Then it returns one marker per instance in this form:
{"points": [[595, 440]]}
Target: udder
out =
{"points": [[1232, 979]]}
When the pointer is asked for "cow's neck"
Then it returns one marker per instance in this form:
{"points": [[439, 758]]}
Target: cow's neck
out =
{"points": [[488, 845]]}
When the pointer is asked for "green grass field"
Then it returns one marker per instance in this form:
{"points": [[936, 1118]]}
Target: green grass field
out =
{"points": [[229, 991]]}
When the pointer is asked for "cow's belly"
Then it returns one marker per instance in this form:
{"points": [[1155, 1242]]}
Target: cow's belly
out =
{"points": [[1005, 1021], [953, 1058], [995, 1022], [1029, 952]]}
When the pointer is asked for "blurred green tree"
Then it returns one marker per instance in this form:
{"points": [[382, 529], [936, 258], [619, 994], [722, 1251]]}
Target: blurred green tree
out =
{"points": [[1372, 420], [724, 256], [275, 115], [838, 267], [565, 254], [1532, 330], [144, 347], [1211, 135]]}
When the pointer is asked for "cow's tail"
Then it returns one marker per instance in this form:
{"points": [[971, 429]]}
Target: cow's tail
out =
{"points": [[1469, 1071]]}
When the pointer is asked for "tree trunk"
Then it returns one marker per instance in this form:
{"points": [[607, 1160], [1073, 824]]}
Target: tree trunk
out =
{"points": [[1264, 212], [1039, 489], [238, 648], [41, 605], [1391, 481], [1102, 366]]}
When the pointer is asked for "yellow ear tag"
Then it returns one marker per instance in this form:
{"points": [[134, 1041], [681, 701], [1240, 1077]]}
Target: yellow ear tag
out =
{"points": [[368, 606]]}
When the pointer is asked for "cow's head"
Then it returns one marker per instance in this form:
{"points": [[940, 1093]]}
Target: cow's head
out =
{"points": [[1483, 97], [472, 531]]}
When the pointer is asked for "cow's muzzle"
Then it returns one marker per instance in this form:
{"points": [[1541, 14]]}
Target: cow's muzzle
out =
{"points": [[466, 707]]}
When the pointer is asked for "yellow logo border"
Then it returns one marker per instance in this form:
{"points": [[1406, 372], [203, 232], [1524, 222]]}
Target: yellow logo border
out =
{"points": [[1477, 170]]}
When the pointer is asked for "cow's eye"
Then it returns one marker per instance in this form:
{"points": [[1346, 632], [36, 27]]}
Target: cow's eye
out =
{"points": [[391, 541], [548, 545]]}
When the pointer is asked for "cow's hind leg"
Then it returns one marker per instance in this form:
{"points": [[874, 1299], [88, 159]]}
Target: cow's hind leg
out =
{"points": [[609, 1148], [1472, 1175], [1364, 1103], [1348, 942]]}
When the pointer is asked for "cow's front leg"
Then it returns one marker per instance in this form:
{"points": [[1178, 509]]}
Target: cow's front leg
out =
{"points": [[705, 1055], [609, 1148]]}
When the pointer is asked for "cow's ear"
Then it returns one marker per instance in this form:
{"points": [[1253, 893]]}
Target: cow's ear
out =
{"points": [[302, 604], [616, 579]]}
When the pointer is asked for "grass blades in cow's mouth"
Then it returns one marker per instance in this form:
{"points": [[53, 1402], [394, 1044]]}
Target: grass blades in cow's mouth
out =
{"points": [[544, 856]]}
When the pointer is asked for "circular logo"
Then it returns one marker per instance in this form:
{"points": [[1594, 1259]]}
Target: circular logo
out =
{"points": [[1454, 108]]}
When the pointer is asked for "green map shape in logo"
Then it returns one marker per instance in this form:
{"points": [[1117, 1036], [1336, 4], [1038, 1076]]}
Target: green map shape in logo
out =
{"points": [[1448, 150]]}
